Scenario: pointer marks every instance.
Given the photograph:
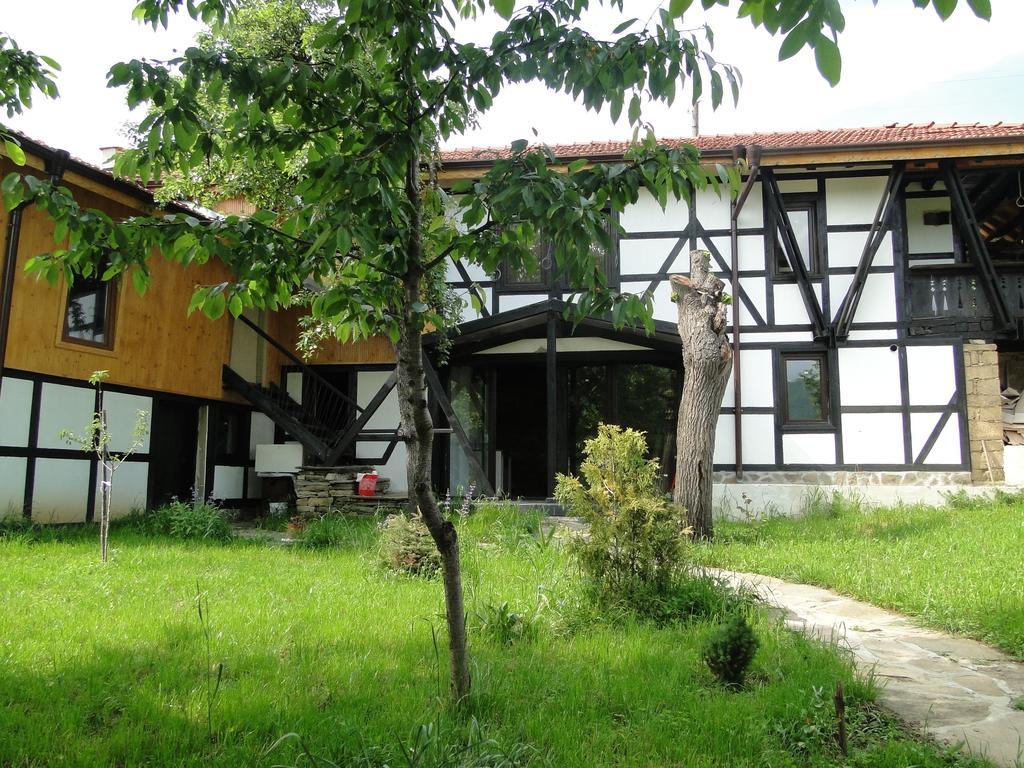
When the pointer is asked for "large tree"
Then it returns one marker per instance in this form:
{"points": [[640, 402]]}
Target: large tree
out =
{"points": [[355, 116]]}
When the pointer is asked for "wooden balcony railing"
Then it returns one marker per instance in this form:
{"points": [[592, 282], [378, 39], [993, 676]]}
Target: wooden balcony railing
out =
{"points": [[950, 298]]}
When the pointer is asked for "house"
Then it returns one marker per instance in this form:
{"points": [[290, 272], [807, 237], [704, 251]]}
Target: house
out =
{"points": [[877, 278]]}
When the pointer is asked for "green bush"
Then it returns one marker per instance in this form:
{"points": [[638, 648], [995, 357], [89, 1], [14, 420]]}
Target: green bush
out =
{"points": [[729, 650], [503, 625], [186, 520], [406, 546], [634, 548], [334, 530]]}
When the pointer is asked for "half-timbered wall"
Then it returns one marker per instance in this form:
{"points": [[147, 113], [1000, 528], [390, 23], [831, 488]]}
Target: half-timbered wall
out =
{"points": [[895, 401]]}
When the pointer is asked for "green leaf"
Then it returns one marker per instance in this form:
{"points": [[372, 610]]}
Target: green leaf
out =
{"points": [[677, 8], [214, 306], [140, 280], [578, 165], [828, 59], [982, 8], [944, 8], [634, 109], [16, 153], [519, 146], [624, 26], [795, 40], [505, 8], [235, 305]]}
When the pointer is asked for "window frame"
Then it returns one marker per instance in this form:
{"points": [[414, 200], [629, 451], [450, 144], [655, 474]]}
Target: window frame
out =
{"points": [[813, 203], [786, 422], [110, 289]]}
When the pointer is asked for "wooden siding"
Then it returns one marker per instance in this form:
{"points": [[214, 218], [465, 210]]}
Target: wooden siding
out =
{"points": [[156, 346]]}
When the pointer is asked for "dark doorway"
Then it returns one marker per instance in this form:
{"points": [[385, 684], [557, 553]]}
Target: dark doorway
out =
{"points": [[521, 430], [172, 451]]}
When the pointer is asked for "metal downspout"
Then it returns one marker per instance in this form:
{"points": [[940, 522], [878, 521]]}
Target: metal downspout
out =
{"points": [[56, 164], [753, 156]]}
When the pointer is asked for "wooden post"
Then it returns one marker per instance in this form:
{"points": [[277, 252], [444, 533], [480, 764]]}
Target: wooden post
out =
{"points": [[551, 380]]}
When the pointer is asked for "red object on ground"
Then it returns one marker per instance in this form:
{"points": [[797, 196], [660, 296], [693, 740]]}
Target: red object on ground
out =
{"points": [[368, 484]]}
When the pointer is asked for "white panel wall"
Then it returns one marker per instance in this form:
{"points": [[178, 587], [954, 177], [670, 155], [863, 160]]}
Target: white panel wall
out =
{"points": [[516, 300], [931, 375], [845, 249], [809, 448], [61, 408], [869, 376], [293, 385], [854, 200], [928, 239], [787, 186], [12, 485], [122, 414], [261, 432], [647, 216], [789, 305], [756, 289], [386, 417], [638, 257], [725, 439], [227, 482], [946, 449], [60, 490], [130, 489], [758, 439], [15, 411], [877, 301], [873, 438]]}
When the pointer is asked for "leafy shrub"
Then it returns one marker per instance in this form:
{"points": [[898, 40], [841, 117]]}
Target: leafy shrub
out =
{"points": [[635, 544], [506, 626], [729, 650], [187, 520], [407, 547]]}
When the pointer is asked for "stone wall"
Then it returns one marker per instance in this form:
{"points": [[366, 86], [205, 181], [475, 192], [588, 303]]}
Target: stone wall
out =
{"points": [[319, 490], [984, 412], [847, 478]]}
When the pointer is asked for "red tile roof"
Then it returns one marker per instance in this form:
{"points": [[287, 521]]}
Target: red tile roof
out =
{"points": [[839, 138]]}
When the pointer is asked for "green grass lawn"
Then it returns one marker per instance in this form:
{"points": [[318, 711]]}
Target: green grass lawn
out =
{"points": [[958, 568], [108, 665]]}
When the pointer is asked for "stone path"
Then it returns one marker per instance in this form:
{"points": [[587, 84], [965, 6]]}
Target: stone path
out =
{"points": [[956, 690]]}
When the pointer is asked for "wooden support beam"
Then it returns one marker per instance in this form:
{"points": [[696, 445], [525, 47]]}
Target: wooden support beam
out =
{"points": [[435, 388], [879, 228], [969, 230], [792, 251], [349, 436], [551, 383]]}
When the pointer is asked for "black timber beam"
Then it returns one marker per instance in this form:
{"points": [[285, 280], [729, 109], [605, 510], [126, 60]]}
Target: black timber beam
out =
{"points": [[350, 435], [441, 397], [969, 230], [879, 228], [792, 251]]}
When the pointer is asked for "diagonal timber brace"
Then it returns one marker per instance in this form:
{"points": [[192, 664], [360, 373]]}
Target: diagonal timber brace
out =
{"points": [[349, 436], [967, 223], [879, 229], [792, 251]]}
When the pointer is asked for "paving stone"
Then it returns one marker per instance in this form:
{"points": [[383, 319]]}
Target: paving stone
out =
{"points": [[957, 690]]}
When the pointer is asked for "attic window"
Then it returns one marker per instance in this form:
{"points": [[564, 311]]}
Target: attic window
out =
{"points": [[89, 313]]}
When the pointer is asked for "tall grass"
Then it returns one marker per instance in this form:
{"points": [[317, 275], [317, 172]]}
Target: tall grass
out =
{"points": [[957, 568], [111, 665]]}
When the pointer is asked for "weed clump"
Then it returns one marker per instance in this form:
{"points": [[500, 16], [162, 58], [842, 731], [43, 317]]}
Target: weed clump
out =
{"points": [[195, 520], [332, 530], [406, 546], [729, 650]]}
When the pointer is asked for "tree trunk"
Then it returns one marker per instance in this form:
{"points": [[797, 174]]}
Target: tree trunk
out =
{"points": [[418, 431], [707, 362]]}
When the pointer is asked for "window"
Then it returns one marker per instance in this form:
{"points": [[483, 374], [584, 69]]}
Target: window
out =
{"points": [[543, 278], [89, 317], [804, 390], [803, 216]]}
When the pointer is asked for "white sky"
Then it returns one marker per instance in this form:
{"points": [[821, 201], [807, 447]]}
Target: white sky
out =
{"points": [[900, 64]]}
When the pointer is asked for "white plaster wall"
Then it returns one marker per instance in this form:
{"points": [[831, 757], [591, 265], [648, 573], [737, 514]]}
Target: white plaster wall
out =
{"points": [[646, 215], [569, 344], [60, 490], [928, 239], [749, 248], [931, 376], [787, 186], [15, 411], [758, 438], [517, 300], [387, 417], [789, 305], [227, 482], [725, 439], [875, 334], [756, 289], [877, 302], [853, 200], [793, 337], [122, 414], [869, 376], [639, 257], [261, 432], [293, 385], [130, 487], [63, 407], [12, 485], [872, 438], [247, 348], [809, 448], [946, 449], [664, 307], [845, 249]]}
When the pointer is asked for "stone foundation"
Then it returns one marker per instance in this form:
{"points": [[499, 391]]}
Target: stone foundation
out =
{"points": [[847, 478], [321, 489], [984, 412]]}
